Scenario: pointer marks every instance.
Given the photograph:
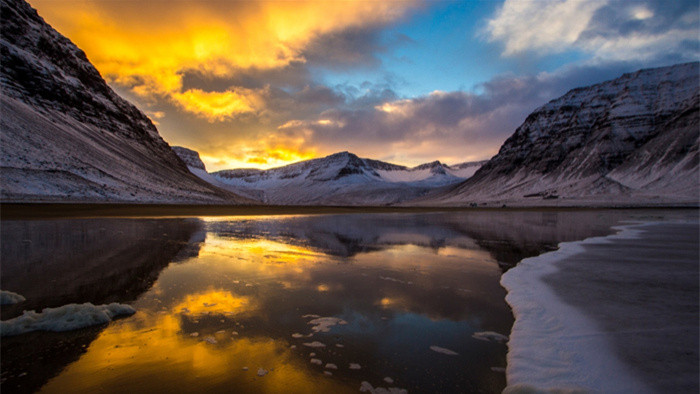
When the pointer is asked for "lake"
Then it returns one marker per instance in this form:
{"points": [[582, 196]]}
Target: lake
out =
{"points": [[282, 303]]}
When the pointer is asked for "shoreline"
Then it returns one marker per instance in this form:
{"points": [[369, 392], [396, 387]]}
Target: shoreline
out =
{"points": [[14, 210], [556, 344]]}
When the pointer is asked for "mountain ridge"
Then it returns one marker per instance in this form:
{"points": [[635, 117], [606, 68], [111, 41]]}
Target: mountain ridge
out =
{"points": [[67, 136]]}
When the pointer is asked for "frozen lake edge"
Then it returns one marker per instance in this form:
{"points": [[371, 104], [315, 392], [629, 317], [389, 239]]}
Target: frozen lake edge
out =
{"points": [[609, 314]]}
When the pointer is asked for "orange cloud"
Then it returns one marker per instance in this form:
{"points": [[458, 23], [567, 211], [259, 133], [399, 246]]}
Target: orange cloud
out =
{"points": [[148, 46]]}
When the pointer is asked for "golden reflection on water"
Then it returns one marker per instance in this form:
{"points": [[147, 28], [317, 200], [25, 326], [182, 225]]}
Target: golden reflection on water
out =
{"points": [[187, 337], [152, 350]]}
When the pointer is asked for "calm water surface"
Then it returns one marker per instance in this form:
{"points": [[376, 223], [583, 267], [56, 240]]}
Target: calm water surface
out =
{"points": [[220, 298]]}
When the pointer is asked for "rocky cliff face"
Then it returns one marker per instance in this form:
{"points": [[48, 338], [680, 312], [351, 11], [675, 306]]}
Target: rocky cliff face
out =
{"points": [[190, 157], [634, 136], [66, 136]]}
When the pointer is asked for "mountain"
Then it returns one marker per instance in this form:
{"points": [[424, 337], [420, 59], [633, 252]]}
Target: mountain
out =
{"points": [[631, 140], [67, 136], [339, 179]]}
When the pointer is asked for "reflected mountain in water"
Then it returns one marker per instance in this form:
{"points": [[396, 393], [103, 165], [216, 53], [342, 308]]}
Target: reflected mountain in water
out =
{"points": [[403, 282], [58, 262]]}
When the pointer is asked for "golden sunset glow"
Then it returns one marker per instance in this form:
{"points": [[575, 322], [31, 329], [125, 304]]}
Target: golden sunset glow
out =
{"points": [[149, 47]]}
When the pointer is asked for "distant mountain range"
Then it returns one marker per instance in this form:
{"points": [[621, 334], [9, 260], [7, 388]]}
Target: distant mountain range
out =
{"points": [[66, 136], [339, 179]]}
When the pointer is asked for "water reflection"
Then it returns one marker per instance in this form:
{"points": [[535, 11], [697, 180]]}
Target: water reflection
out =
{"points": [[217, 296]]}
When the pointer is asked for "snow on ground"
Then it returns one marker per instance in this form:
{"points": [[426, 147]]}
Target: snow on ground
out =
{"points": [[64, 318], [9, 298], [552, 345], [443, 350]]}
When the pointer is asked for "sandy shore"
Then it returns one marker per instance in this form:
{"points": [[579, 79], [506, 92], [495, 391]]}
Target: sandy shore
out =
{"points": [[609, 314]]}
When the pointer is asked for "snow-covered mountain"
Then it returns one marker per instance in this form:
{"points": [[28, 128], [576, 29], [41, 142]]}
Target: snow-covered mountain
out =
{"points": [[631, 140], [339, 179], [66, 136]]}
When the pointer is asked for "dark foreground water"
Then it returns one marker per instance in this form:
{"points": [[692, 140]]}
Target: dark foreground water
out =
{"points": [[222, 300]]}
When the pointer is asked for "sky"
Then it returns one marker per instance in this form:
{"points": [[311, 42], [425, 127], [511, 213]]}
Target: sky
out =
{"points": [[263, 84]]}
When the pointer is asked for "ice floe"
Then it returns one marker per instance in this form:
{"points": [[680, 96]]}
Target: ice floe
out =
{"points": [[314, 344], [324, 324], [355, 366], [444, 351], [9, 298], [262, 372], [331, 366], [490, 336], [316, 361], [64, 318], [366, 387]]}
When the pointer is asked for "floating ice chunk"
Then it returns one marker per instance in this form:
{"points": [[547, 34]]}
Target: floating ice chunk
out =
{"points": [[293, 347], [366, 387], [355, 366], [324, 324], [312, 354], [310, 316], [194, 334], [9, 298], [316, 361], [443, 350], [328, 373], [262, 372], [64, 318], [331, 366], [389, 380], [211, 340], [297, 335], [490, 336], [234, 332], [390, 279], [314, 344], [221, 331], [340, 345], [245, 368]]}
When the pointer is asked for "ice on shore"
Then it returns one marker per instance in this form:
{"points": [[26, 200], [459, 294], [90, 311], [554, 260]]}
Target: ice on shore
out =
{"points": [[490, 336], [553, 347], [442, 350], [9, 298], [324, 324], [64, 318]]}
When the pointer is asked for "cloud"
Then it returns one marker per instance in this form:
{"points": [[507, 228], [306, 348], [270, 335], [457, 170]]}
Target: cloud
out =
{"points": [[450, 126], [604, 29], [150, 48]]}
